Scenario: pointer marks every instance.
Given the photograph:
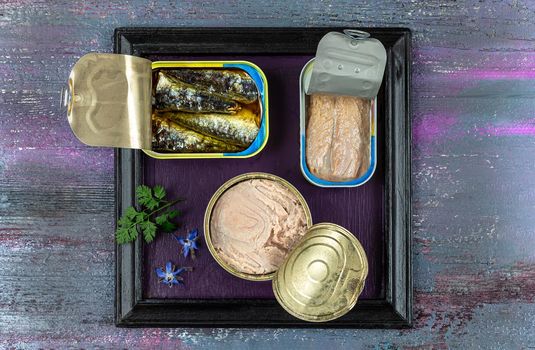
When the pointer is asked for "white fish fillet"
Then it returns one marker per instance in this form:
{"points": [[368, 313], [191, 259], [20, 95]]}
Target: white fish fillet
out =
{"points": [[338, 137]]}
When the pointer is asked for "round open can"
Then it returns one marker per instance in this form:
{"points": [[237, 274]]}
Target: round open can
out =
{"points": [[209, 214], [304, 118]]}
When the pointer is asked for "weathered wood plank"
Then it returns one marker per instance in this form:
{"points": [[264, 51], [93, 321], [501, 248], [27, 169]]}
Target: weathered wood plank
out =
{"points": [[473, 170]]}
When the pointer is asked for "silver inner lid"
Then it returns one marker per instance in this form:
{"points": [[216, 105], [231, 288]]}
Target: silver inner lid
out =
{"points": [[349, 64]]}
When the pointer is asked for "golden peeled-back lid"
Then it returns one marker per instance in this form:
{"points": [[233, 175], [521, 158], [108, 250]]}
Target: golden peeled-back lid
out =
{"points": [[323, 276], [109, 102]]}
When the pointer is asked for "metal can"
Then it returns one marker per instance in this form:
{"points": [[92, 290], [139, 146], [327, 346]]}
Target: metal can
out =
{"points": [[315, 180], [109, 102], [323, 276], [210, 210]]}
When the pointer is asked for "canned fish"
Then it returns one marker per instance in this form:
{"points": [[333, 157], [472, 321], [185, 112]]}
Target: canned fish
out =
{"points": [[170, 109], [337, 137], [252, 223], [323, 276]]}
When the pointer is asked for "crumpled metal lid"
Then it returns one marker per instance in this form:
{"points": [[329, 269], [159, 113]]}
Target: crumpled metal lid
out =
{"points": [[109, 102], [349, 64]]}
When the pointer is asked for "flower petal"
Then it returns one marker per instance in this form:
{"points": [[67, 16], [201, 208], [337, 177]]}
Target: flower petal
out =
{"points": [[179, 271], [186, 250], [194, 245], [166, 282], [193, 234], [168, 267], [175, 281], [179, 239], [160, 272]]}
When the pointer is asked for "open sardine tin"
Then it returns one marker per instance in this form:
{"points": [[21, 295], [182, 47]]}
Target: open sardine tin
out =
{"points": [[349, 64], [109, 102]]}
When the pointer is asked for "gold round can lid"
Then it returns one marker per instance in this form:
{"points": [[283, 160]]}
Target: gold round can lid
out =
{"points": [[323, 276]]}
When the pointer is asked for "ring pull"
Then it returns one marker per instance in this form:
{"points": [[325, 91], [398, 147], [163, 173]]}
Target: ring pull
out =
{"points": [[66, 98], [356, 34]]}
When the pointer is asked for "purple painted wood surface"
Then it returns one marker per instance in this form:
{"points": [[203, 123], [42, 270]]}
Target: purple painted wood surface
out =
{"points": [[359, 209], [473, 97]]}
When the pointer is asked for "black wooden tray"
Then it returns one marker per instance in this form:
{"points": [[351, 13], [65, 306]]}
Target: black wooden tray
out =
{"points": [[387, 299]]}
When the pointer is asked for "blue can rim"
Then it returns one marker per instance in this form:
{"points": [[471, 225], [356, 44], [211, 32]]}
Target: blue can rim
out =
{"points": [[259, 141]]}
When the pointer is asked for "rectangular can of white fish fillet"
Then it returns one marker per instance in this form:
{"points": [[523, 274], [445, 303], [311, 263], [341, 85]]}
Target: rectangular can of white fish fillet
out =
{"points": [[364, 174]]}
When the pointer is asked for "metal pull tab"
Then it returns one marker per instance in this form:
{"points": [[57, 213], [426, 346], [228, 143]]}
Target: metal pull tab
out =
{"points": [[356, 34], [66, 98]]}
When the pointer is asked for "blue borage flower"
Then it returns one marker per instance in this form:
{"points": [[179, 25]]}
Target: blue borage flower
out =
{"points": [[171, 276], [189, 243]]}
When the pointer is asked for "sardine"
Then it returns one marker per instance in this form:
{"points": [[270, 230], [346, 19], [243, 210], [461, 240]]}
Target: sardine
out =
{"points": [[233, 84], [172, 94], [172, 137], [239, 129]]}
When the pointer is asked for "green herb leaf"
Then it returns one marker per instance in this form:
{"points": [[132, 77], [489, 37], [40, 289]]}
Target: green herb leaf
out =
{"points": [[149, 230], [151, 201], [143, 194], [130, 213], [141, 216], [122, 236], [161, 219], [168, 226], [124, 222], [171, 214], [159, 192], [145, 197], [132, 233]]}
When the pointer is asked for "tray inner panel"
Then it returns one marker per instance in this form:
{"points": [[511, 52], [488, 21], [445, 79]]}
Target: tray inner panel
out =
{"points": [[361, 209]]}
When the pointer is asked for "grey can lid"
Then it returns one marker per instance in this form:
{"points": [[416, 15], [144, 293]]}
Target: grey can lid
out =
{"points": [[348, 64]]}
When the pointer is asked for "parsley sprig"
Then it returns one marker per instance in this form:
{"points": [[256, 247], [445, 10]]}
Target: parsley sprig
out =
{"points": [[153, 202]]}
